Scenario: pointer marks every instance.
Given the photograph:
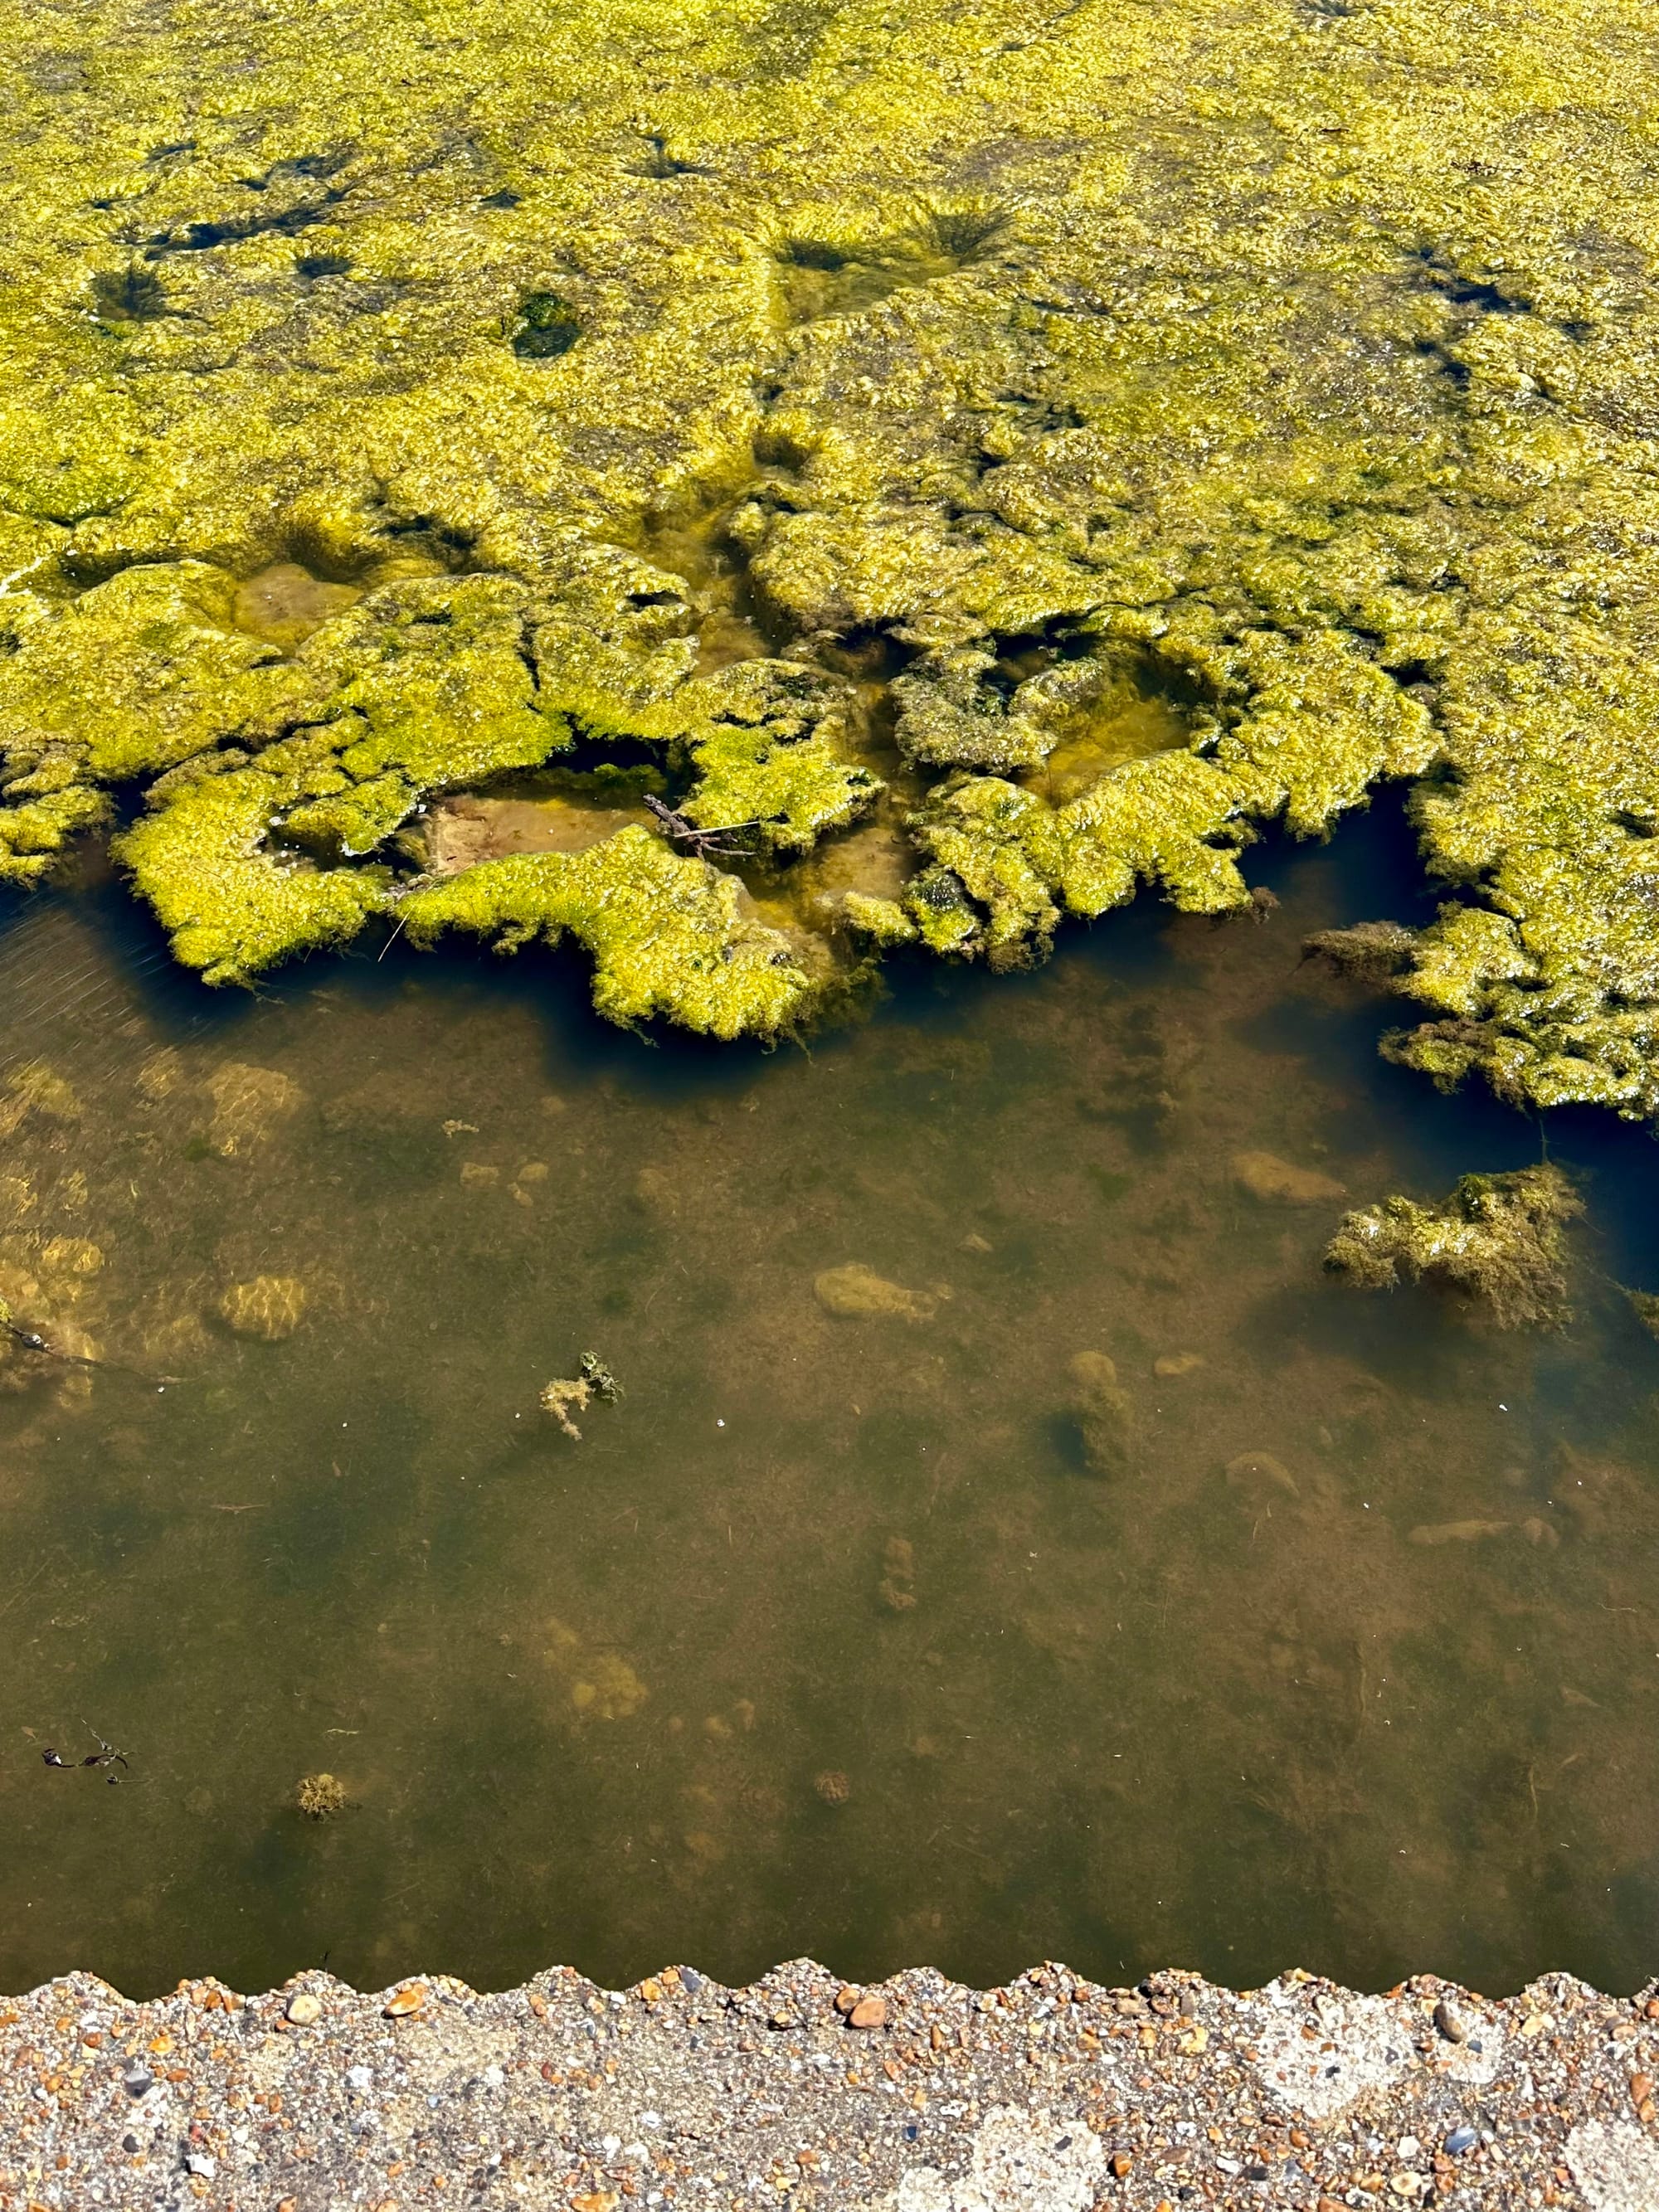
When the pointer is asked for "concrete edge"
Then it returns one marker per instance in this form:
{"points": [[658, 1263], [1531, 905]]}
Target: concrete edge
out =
{"points": [[1051, 2095]]}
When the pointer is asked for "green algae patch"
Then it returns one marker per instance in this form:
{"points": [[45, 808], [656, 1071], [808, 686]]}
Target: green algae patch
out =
{"points": [[232, 906], [668, 935], [1497, 1240], [1122, 435]]}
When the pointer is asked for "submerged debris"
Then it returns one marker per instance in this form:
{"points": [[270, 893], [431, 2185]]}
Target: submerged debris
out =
{"points": [[1497, 1238], [603, 1383]]}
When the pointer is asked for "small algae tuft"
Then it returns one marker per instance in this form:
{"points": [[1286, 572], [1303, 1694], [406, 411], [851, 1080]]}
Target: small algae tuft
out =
{"points": [[568, 1395], [320, 1796], [1498, 1239]]}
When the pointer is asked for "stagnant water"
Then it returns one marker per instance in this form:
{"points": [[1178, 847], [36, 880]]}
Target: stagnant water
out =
{"points": [[825, 1638]]}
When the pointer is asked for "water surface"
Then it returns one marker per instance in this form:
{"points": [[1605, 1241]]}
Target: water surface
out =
{"points": [[828, 1637]]}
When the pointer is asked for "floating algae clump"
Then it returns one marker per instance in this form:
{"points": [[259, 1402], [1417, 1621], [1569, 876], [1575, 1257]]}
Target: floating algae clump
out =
{"points": [[1497, 1239], [1115, 435], [320, 1796]]}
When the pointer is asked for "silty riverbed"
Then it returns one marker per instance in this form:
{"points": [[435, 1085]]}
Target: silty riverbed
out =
{"points": [[830, 1635]]}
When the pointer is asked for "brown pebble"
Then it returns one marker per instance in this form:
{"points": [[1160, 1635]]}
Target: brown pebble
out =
{"points": [[1121, 2164], [303, 2009], [868, 2012], [652, 1992], [1640, 2088], [407, 2001], [1651, 2009], [1449, 2023], [845, 1997]]}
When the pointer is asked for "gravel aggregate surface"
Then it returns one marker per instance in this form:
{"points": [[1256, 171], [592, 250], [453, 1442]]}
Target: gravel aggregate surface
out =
{"points": [[1051, 2094]]}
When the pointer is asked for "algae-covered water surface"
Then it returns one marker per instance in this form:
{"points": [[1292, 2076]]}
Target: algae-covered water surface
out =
{"points": [[1007, 1540]]}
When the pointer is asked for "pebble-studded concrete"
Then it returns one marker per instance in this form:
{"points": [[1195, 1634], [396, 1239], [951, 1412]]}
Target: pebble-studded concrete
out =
{"points": [[1050, 2095]]}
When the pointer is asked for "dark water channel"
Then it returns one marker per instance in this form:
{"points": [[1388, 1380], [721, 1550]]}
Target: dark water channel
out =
{"points": [[826, 1638]]}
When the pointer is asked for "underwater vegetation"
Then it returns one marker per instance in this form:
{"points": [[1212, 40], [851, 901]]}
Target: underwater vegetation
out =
{"points": [[1056, 451], [1497, 1239]]}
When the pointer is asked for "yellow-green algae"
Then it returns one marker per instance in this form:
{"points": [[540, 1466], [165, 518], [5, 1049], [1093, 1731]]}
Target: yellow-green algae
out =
{"points": [[784, 393], [1498, 1239]]}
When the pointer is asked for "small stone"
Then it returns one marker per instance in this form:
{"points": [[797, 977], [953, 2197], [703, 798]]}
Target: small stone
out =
{"points": [[1450, 2023], [832, 1786], [1407, 2184], [200, 2165], [650, 1991], [138, 2083], [1278, 1182], [1178, 1363], [845, 1997], [303, 2009], [408, 1999], [1640, 2088], [597, 2200], [868, 2012], [1122, 2164], [1651, 2009], [1460, 2140]]}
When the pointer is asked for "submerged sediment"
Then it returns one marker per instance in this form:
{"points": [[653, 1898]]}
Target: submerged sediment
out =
{"points": [[1050, 2095], [1053, 449]]}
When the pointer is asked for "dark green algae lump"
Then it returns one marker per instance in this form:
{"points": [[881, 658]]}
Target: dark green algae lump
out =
{"points": [[975, 460]]}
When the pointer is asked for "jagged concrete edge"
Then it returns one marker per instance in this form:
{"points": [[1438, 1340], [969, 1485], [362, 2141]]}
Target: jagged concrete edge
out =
{"points": [[1051, 2093]]}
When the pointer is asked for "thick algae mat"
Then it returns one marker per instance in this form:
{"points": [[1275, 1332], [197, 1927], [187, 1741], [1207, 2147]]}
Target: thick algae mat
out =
{"points": [[999, 456], [1010, 1541]]}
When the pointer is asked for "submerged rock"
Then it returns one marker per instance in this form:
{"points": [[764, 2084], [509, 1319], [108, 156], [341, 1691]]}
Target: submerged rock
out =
{"points": [[1497, 1239], [1278, 1182], [270, 1307], [1105, 1413], [856, 1291], [249, 1105], [1433, 1533]]}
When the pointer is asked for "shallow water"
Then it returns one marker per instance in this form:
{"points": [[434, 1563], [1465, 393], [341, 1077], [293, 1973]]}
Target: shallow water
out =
{"points": [[826, 1638]]}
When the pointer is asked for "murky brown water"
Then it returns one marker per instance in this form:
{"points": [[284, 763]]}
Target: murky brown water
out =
{"points": [[827, 1638]]}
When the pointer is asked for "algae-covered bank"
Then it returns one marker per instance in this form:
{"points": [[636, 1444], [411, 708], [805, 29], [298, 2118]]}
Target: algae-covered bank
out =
{"points": [[961, 465]]}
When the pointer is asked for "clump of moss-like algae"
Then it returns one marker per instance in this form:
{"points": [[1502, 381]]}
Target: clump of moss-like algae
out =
{"points": [[1498, 1239], [667, 934], [1285, 367]]}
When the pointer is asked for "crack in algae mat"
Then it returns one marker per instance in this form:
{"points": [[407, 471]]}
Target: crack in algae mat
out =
{"points": [[766, 500]]}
